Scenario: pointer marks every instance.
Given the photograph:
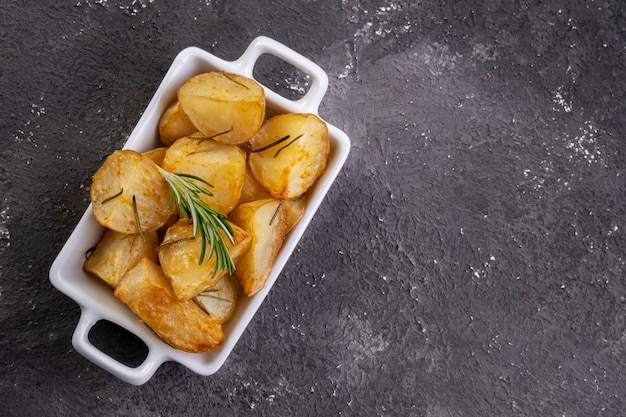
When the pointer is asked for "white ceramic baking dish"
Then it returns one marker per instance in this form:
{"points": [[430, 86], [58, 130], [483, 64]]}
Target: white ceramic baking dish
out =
{"points": [[96, 299]]}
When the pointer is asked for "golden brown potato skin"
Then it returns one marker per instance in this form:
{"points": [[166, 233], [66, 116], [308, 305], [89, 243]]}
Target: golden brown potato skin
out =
{"points": [[221, 165], [175, 124], [217, 130], [252, 190], [183, 324], [289, 153], [266, 222], [179, 260], [116, 253], [123, 177], [228, 107], [220, 300], [295, 210], [156, 154]]}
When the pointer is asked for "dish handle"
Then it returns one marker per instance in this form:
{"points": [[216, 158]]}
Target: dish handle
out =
{"points": [[311, 101], [81, 342]]}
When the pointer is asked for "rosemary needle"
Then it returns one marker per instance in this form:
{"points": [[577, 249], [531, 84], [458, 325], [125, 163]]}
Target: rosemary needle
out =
{"points": [[281, 149], [113, 197], [275, 213], [212, 137], [205, 220], [136, 212], [276, 142]]}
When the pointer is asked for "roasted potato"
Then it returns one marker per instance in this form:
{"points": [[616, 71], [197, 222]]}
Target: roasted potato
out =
{"points": [[289, 153], [179, 255], [266, 222], [175, 124], [295, 210], [129, 194], [183, 324], [252, 190], [219, 301], [116, 253], [156, 154], [258, 171], [222, 165], [228, 108]]}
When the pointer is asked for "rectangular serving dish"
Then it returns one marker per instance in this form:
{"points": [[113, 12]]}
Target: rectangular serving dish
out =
{"points": [[96, 299]]}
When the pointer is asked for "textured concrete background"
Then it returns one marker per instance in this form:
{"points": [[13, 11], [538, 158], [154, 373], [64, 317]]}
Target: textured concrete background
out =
{"points": [[469, 261]]}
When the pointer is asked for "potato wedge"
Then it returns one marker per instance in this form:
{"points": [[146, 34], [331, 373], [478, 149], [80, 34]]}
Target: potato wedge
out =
{"points": [[222, 165], [295, 210], [219, 301], [289, 153], [252, 190], [266, 221], [183, 324], [229, 108], [174, 124], [129, 194], [116, 253], [179, 255], [156, 154]]}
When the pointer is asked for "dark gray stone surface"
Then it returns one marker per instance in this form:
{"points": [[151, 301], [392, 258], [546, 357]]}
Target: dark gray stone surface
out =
{"points": [[469, 261]]}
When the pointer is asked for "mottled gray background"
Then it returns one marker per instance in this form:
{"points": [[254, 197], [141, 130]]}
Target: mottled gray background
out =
{"points": [[469, 261]]}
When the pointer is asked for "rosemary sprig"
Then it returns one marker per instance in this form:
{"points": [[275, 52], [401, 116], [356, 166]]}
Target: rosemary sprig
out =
{"points": [[205, 220]]}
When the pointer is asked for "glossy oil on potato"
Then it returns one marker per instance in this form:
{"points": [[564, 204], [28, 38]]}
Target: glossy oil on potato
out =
{"points": [[252, 190], [183, 324], [289, 153], [116, 253], [227, 107], [221, 165], [174, 124], [156, 154], [266, 222], [179, 257], [129, 194], [295, 210], [220, 300]]}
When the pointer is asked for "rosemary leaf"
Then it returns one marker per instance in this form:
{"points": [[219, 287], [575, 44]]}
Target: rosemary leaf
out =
{"points": [[173, 242], [275, 213], [280, 150], [213, 297], [136, 212], [276, 142], [193, 187], [202, 139], [113, 197]]}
